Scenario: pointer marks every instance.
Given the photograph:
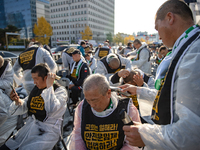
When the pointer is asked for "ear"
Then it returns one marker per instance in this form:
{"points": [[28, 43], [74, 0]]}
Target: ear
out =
{"points": [[45, 78], [170, 18], [109, 93]]}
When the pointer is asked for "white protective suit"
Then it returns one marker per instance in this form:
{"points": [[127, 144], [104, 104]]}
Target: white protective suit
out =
{"points": [[101, 69], [28, 137], [7, 78], [7, 122], [143, 63], [93, 67], [42, 56], [184, 132], [77, 142]]}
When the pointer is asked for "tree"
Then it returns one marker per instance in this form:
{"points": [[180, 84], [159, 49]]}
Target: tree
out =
{"points": [[142, 40], [109, 37], [118, 38], [87, 34], [9, 28], [130, 38], [42, 31]]}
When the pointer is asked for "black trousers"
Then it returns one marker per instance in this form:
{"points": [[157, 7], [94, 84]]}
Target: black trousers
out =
{"points": [[76, 92]]}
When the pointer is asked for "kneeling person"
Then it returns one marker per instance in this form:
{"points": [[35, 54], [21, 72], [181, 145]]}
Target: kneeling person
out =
{"points": [[45, 105], [97, 124]]}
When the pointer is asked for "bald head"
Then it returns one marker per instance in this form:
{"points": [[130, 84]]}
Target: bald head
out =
{"points": [[114, 62], [178, 7], [1, 61]]}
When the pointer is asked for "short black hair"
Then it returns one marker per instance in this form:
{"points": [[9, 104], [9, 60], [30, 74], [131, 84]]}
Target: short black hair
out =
{"points": [[137, 41], [178, 7], [83, 42], [42, 69], [129, 44], [162, 48]]}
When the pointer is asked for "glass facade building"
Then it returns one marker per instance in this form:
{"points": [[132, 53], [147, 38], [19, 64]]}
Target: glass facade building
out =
{"points": [[20, 13]]}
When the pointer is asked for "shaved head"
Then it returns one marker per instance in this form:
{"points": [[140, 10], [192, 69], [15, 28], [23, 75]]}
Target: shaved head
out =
{"points": [[178, 7]]}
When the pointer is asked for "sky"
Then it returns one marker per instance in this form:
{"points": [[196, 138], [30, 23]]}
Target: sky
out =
{"points": [[136, 15]]}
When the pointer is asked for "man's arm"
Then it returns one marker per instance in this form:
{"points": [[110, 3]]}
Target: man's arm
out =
{"points": [[65, 62], [49, 60], [17, 69], [7, 77], [125, 61], [55, 101], [76, 141]]}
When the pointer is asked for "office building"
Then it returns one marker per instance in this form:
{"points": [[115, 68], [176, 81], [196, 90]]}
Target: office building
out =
{"points": [[23, 14], [70, 17]]}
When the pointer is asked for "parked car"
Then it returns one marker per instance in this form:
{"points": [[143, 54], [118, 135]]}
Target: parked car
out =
{"points": [[6, 54]]}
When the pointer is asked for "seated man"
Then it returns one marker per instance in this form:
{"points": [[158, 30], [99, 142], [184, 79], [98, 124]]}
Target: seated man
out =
{"points": [[127, 50], [112, 63], [91, 61], [97, 124], [6, 75], [7, 122], [103, 51], [67, 59], [45, 105], [79, 72]]}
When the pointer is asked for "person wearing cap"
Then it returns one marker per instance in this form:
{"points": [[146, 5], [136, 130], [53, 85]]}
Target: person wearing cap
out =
{"points": [[6, 75], [67, 59], [103, 51], [97, 124], [28, 59], [79, 73], [111, 64], [45, 107]]}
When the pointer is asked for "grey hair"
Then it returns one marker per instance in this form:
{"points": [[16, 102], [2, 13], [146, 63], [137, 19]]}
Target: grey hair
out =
{"points": [[96, 81], [106, 43], [1, 61]]}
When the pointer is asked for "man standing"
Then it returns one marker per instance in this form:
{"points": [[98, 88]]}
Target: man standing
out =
{"points": [[127, 50], [45, 106], [176, 107], [142, 60], [28, 59], [79, 72], [97, 124]]}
